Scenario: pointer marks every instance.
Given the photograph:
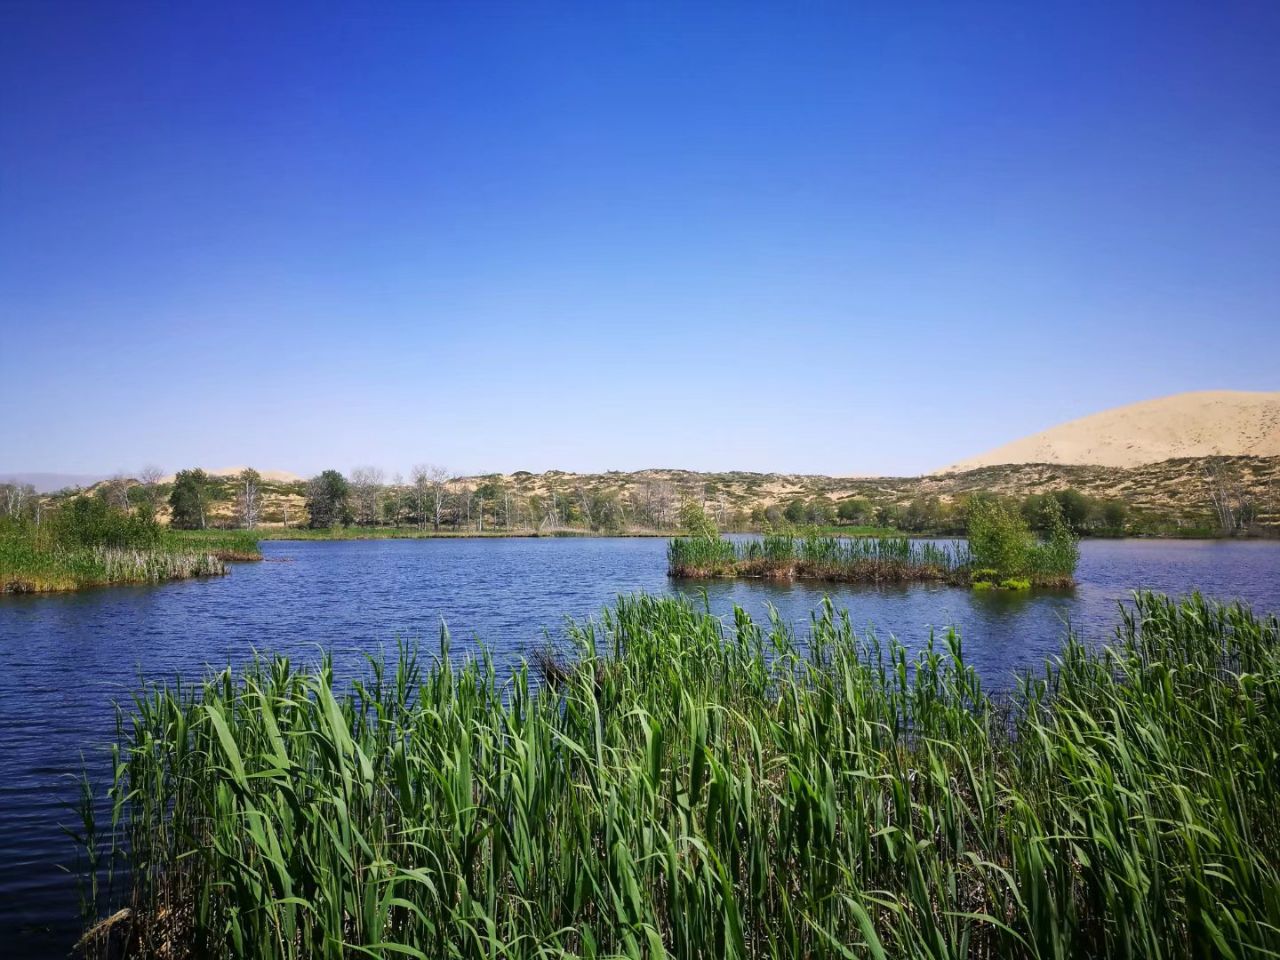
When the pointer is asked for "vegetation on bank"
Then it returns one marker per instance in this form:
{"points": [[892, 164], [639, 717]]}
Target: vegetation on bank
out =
{"points": [[413, 533], [1002, 552], [86, 542], [682, 787], [1207, 497]]}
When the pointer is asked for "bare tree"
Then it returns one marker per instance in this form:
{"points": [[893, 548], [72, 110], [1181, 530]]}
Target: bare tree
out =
{"points": [[17, 498], [1224, 494], [117, 491], [151, 475], [366, 490], [437, 480], [397, 498], [249, 497], [420, 477]]}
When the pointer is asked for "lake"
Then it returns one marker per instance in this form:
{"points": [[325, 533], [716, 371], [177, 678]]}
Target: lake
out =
{"points": [[65, 659]]}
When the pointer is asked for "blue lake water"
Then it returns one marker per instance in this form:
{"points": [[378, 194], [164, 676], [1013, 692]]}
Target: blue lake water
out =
{"points": [[64, 660]]}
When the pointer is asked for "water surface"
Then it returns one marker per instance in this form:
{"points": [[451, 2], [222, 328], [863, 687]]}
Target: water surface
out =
{"points": [[65, 659]]}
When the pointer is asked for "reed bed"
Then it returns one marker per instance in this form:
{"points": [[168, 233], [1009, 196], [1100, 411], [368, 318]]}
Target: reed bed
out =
{"points": [[837, 559], [678, 786], [29, 567], [231, 545]]}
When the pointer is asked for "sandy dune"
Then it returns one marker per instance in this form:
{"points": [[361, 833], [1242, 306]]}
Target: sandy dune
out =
{"points": [[276, 476], [1204, 424]]}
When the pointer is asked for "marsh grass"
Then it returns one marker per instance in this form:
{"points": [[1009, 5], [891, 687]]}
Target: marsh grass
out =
{"points": [[237, 545], [33, 563], [817, 557], [689, 788], [1001, 553]]}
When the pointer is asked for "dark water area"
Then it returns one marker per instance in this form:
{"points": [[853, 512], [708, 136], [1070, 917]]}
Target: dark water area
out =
{"points": [[64, 660]]}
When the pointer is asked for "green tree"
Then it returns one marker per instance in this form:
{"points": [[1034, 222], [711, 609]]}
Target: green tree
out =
{"points": [[189, 500], [1114, 514], [797, 511], [821, 511], [328, 500], [854, 510], [696, 522], [999, 538], [1076, 508]]}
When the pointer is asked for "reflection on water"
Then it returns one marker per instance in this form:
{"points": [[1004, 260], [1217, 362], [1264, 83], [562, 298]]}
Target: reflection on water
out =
{"points": [[64, 660]]}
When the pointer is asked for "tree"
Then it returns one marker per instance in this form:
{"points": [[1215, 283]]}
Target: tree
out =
{"points": [[188, 501], [999, 538], [116, 491], [151, 475], [1114, 514], [1075, 508], [327, 496], [393, 509], [797, 511], [820, 510], [366, 491], [922, 513], [249, 497], [420, 477], [695, 521], [1232, 501], [854, 510], [437, 480], [16, 499]]}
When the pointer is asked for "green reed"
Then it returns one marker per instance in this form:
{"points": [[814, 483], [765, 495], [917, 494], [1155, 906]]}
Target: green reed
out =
{"points": [[857, 559], [26, 567], [683, 787], [223, 544]]}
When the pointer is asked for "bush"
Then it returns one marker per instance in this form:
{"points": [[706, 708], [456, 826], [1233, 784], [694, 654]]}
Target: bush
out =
{"points": [[999, 539], [1003, 548]]}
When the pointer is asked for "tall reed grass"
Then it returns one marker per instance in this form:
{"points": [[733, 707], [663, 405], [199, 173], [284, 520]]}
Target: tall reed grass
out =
{"points": [[31, 564], [850, 559], [222, 544], [681, 787]]}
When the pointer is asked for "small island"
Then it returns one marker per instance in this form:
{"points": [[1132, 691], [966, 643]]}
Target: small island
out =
{"points": [[1002, 553]]}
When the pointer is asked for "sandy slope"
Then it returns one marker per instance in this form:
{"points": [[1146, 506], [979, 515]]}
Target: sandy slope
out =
{"points": [[277, 476], [1209, 423]]}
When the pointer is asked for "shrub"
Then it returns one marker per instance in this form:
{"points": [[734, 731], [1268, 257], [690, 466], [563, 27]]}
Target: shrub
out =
{"points": [[999, 539]]}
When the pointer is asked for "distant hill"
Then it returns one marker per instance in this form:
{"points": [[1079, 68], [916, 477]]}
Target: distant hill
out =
{"points": [[1204, 424]]}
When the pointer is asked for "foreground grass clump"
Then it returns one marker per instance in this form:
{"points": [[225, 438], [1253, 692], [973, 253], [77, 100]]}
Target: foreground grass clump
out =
{"points": [[683, 788]]}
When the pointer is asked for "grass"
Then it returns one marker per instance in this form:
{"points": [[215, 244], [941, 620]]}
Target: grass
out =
{"points": [[681, 787], [222, 544], [27, 569], [785, 556], [31, 564], [1001, 553]]}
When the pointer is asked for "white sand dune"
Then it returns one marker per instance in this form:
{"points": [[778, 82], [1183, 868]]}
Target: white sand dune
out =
{"points": [[1202, 424]]}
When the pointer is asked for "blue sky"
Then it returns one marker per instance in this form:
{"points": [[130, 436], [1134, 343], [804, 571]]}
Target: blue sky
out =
{"points": [[845, 238]]}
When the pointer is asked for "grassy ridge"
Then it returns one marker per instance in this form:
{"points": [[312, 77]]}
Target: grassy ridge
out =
{"points": [[684, 788]]}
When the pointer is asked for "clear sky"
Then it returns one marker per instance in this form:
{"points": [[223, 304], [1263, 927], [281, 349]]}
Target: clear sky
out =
{"points": [[845, 238]]}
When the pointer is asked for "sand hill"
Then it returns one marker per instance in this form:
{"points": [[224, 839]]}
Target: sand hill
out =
{"points": [[1204, 424], [276, 476]]}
